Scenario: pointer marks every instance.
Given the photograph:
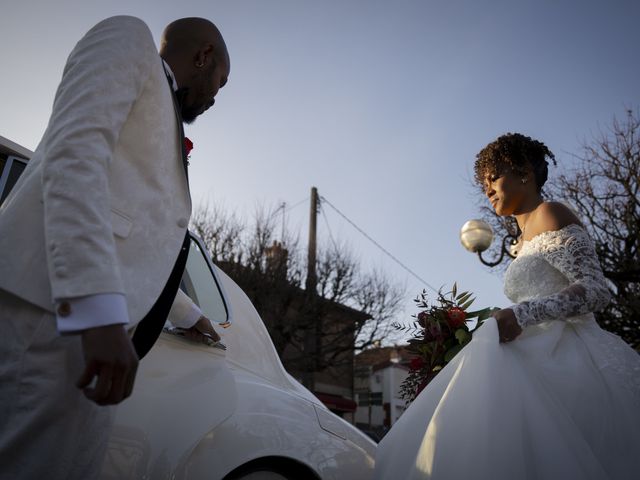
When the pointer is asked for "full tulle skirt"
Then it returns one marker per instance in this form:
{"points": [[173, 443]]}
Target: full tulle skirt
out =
{"points": [[560, 402]]}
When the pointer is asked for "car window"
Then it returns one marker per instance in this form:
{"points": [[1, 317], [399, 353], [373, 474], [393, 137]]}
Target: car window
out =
{"points": [[199, 282], [11, 168]]}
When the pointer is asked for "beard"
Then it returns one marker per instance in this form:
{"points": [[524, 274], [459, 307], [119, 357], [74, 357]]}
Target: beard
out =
{"points": [[188, 112], [198, 93]]}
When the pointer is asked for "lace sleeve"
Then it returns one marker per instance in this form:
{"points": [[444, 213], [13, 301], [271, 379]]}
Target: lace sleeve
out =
{"points": [[571, 251]]}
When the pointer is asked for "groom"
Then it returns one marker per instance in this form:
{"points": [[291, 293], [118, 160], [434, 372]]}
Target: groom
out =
{"points": [[93, 240]]}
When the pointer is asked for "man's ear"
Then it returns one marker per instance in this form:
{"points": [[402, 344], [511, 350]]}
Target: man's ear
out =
{"points": [[204, 56]]}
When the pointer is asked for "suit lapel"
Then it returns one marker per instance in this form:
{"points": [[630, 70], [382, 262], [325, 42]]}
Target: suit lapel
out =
{"points": [[176, 110], [183, 149]]}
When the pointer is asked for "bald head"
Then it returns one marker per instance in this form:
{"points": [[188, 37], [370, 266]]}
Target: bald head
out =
{"points": [[187, 35], [197, 54]]}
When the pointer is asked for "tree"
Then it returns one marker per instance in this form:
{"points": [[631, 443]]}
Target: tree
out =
{"points": [[306, 330], [604, 188]]}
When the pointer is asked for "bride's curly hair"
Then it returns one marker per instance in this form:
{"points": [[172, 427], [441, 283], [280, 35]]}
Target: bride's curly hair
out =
{"points": [[517, 153]]}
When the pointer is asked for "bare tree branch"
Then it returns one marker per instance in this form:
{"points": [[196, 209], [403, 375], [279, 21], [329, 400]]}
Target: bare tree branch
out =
{"points": [[350, 310]]}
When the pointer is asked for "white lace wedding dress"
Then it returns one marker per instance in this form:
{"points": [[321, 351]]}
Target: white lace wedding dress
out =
{"points": [[562, 401]]}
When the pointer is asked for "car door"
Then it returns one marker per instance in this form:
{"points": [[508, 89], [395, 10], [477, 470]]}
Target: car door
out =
{"points": [[183, 389]]}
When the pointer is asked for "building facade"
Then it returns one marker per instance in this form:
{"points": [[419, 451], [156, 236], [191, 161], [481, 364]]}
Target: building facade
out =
{"points": [[379, 372]]}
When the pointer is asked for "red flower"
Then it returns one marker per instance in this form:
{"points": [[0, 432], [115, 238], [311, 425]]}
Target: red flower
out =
{"points": [[416, 363], [188, 145], [456, 317], [434, 332]]}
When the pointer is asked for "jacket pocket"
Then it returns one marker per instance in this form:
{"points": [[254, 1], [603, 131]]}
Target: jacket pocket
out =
{"points": [[120, 224]]}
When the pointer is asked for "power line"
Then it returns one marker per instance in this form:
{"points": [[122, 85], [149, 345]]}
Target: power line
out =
{"points": [[283, 209], [384, 250], [326, 221], [296, 204]]}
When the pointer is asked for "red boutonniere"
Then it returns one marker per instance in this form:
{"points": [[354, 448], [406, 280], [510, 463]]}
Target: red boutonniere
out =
{"points": [[188, 145]]}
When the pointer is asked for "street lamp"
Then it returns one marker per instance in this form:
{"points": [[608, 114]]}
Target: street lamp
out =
{"points": [[477, 235]]}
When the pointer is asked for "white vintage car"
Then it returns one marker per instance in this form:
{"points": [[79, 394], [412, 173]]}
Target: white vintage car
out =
{"points": [[209, 412]]}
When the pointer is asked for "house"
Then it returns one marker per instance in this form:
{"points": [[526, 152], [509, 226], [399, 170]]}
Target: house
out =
{"points": [[379, 372], [313, 336]]}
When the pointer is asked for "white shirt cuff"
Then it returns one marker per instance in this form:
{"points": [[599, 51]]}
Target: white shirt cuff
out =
{"points": [[191, 318], [73, 315]]}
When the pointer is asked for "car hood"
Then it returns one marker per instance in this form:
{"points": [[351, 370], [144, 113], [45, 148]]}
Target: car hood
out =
{"points": [[249, 345]]}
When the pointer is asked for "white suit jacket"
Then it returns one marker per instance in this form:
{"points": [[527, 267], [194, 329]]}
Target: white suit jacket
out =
{"points": [[103, 204]]}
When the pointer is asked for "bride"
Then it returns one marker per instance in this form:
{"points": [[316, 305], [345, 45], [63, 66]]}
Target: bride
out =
{"points": [[541, 392]]}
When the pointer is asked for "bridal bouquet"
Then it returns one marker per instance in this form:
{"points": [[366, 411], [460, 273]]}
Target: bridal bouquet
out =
{"points": [[439, 332]]}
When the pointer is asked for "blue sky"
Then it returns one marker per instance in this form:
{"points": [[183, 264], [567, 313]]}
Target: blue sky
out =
{"points": [[380, 104]]}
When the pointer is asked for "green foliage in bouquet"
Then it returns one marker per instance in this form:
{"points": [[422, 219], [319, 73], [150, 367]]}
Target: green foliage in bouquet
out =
{"points": [[439, 332]]}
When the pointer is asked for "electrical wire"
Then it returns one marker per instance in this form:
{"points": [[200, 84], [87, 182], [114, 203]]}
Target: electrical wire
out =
{"points": [[283, 210], [297, 204], [384, 250], [326, 221]]}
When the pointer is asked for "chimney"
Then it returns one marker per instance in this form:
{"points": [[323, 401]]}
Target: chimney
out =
{"points": [[277, 258]]}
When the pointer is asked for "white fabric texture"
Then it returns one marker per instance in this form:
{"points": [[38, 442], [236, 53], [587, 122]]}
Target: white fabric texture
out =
{"points": [[111, 309], [48, 429], [570, 251], [106, 189], [93, 311], [559, 402], [101, 208], [184, 313]]}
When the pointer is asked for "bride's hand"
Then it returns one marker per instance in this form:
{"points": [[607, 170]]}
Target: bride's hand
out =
{"points": [[508, 328]]}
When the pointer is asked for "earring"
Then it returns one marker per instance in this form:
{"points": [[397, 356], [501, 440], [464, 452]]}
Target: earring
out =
{"points": [[199, 64]]}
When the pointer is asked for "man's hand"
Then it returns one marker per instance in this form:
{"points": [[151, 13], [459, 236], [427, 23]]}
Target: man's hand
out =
{"points": [[508, 328], [202, 331], [109, 355]]}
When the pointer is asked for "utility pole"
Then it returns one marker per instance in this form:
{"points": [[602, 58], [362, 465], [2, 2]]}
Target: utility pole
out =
{"points": [[311, 262], [311, 329]]}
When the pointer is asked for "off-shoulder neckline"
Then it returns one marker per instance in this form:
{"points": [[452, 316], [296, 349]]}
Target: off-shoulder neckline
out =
{"points": [[551, 233]]}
